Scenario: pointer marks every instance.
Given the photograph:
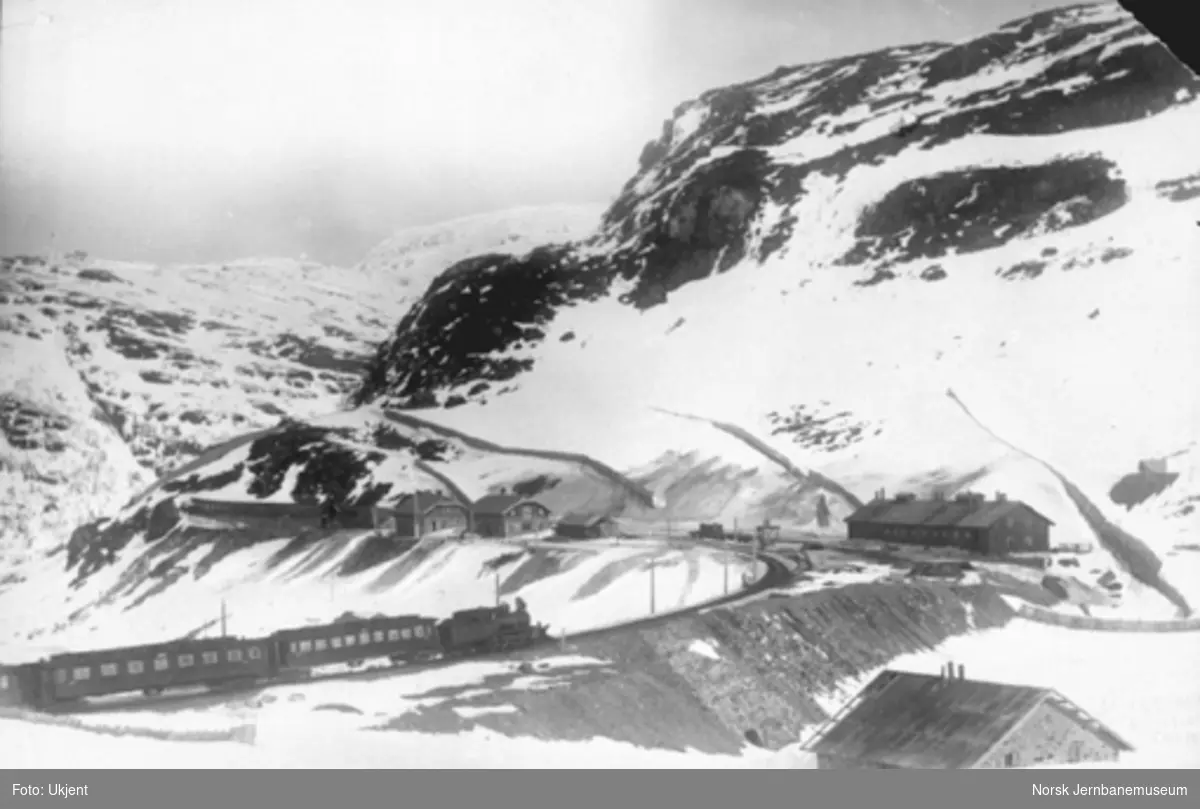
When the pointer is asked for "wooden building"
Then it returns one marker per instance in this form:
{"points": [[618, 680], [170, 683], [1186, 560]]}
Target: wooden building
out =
{"points": [[506, 515], [413, 516], [583, 526], [968, 521], [902, 720]]}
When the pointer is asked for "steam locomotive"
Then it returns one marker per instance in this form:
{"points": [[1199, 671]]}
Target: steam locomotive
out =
{"points": [[231, 662]]}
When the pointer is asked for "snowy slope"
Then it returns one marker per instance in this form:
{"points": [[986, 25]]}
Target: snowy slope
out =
{"points": [[162, 362], [818, 255]]}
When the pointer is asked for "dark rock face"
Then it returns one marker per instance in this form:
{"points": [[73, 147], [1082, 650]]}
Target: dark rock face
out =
{"points": [[698, 204], [969, 211], [1135, 489]]}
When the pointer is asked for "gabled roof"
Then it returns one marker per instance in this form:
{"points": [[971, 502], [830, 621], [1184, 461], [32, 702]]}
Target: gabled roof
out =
{"points": [[497, 504], [426, 504], [926, 721], [964, 513]]}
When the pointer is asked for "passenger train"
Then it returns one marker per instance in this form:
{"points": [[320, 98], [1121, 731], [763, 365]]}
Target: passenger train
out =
{"points": [[230, 662]]}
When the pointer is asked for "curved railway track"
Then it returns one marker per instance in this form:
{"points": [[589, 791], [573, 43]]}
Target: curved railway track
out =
{"points": [[776, 575]]}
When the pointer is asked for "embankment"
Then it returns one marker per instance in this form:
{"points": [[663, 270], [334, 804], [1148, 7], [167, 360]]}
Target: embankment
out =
{"points": [[704, 680]]}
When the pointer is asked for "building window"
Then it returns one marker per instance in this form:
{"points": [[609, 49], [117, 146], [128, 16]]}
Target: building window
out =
{"points": [[210, 658], [234, 656], [336, 643], [305, 646], [3, 682], [255, 653], [186, 661], [320, 644], [1010, 760], [161, 663], [364, 638], [82, 673], [393, 634], [350, 640], [378, 636], [108, 669], [1075, 752]]}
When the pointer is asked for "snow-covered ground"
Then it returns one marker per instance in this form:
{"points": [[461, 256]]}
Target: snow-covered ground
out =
{"points": [[334, 725], [569, 589], [1140, 685]]}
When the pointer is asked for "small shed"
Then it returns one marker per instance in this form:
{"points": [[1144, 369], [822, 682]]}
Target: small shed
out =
{"points": [[506, 515], [904, 720], [585, 526]]}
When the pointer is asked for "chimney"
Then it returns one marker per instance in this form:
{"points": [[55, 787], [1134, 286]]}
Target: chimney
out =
{"points": [[962, 671], [1001, 497]]}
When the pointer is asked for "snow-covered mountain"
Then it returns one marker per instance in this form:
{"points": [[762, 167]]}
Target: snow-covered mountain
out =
{"points": [[115, 373], [767, 318], [817, 255]]}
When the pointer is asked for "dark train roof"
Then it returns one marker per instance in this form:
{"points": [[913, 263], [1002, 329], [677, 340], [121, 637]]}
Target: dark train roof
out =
{"points": [[165, 647], [927, 721]]}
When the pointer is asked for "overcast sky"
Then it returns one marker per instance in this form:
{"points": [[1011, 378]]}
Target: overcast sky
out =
{"points": [[182, 130]]}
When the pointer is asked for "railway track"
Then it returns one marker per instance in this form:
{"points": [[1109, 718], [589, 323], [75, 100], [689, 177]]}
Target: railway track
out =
{"points": [[777, 574]]}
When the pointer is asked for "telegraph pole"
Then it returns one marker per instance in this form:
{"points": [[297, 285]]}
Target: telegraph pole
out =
{"points": [[653, 565], [416, 514], [497, 581], [725, 564], [222, 617]]}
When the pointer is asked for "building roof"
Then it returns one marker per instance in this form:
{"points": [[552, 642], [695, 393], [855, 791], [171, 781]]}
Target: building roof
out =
{"points": [[497, 504], [426, 504], [584, 520], [926, 721], [977, 513]]}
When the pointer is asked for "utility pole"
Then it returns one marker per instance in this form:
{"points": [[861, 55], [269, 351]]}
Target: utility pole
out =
{"points": [[497, 581], [653, 565], [725, 564], [416, 514], [222, 617]]}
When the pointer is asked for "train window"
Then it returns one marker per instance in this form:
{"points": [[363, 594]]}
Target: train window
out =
{"points": [[255, 653], [364, 637], [3, 682], [186, 660], [336, 643], [393, 634], [161, 663], [420, 632], [82, 673], [378, 635], [350, 640], [305, 646], [135, 667], [234, 656], [60, 676], [319, 644], [108, 669], [406, 633], [210, 658]]}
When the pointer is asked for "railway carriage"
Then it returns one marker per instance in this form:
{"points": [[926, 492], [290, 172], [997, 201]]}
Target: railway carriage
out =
{"points": [[21, 685], [403, 638], [154, 668]]}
